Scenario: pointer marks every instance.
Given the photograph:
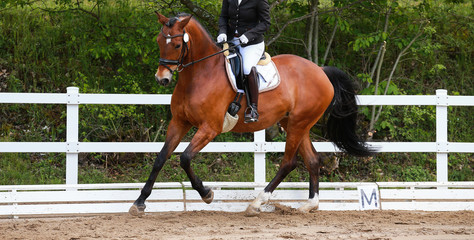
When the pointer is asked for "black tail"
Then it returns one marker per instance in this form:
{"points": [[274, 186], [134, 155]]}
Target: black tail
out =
{"points": [[342, 120]]}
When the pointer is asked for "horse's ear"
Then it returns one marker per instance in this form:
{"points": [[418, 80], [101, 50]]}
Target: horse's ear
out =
{"points": [[185, 21], [162, 19]]}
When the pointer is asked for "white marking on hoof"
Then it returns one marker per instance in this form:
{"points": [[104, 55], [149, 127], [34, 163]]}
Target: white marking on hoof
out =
{"points": [[209, 197], [254, 208], [136, 211], [312, 203], [251, 212]]}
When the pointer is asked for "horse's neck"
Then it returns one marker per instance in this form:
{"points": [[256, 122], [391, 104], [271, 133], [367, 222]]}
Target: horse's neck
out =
{"points": [[203, 72], [199, 50], [200, 47]]}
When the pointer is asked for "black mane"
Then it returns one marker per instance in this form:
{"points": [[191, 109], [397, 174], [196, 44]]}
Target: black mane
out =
{"points": [[175, 19]]}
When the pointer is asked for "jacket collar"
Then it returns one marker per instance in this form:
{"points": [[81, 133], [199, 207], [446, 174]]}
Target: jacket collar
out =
{"points": [[243, 2]]}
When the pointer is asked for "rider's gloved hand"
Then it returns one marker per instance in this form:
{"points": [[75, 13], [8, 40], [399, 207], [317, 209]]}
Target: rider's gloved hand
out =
{"points": [[221, 38], [243, 39]]}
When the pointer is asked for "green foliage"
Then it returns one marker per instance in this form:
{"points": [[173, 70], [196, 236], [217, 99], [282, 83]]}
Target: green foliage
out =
{"points": [[24, 169], [366, 41], [106, 46]]}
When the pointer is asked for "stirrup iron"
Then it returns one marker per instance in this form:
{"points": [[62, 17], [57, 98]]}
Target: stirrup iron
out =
{"points": [[251, 114]]}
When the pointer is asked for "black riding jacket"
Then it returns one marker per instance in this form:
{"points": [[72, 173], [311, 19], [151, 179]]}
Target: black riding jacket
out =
{"points": [[251, 18]]}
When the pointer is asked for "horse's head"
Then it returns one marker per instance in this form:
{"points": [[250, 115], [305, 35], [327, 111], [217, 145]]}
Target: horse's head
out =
{"points": [[173, 42]]}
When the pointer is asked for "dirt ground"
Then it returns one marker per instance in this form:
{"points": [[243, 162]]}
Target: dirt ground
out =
{"points": [[284, 223]]}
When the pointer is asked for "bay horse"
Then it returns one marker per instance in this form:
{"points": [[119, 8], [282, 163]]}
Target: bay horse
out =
{"points": [[202, 95]]}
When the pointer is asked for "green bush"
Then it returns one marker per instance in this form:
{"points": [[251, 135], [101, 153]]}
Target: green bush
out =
{"points": [[105, 46]]}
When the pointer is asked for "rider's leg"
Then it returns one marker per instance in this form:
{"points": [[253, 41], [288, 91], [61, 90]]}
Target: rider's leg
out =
{"points": [[251, 113], [251, 54]]}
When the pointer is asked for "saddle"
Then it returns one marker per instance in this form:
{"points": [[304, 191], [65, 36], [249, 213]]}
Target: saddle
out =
{"points": [[235, 61], [268, 76]]}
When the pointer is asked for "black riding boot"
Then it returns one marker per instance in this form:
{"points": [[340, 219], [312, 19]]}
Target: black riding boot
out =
{"points": [[251, 114]]}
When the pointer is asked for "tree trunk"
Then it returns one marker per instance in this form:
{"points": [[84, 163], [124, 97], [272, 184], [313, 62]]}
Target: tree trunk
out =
{"points": [[330, 42], [312, 44], [385, 29], [316, 32], [375, 118], [310, 29], [377, 82]]}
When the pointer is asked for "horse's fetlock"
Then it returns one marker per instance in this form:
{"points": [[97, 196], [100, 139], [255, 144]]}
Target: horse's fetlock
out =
{"points": [[139, 202]]}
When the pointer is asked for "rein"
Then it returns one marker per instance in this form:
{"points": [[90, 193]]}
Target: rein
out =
{"points": [[184, 50], [212, 55]]}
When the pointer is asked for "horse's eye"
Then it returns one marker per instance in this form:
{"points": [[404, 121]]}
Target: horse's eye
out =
{"points": [[178, 46]]}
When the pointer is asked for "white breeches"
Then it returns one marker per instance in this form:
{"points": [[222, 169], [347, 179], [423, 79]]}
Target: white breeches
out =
{"points": [[251, 54]]}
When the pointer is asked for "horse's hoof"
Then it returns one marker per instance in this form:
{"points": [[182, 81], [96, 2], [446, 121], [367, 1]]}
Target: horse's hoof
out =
{"points": [[305, 209], [312, 204], [137, 211], [209, 197], [251, 211]]}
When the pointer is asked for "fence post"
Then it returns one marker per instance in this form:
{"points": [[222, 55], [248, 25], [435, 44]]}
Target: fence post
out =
{"points": [[442, 135], [72, 135], [259, 157]]}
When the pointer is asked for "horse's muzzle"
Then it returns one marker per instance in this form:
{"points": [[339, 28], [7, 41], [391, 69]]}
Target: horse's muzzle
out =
{"points": [[162, 81]]}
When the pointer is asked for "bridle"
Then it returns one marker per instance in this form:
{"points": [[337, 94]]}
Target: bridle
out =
{"points": [[184, 50]]}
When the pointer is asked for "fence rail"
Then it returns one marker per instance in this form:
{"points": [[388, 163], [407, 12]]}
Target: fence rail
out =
{"points": [[72, 147]]}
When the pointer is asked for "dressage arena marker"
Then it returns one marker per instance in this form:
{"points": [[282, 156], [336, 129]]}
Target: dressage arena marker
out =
{"points": [[369, 197]]}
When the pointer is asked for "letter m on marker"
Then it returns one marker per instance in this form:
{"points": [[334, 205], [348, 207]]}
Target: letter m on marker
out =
{"points": [[373, 196], [368, 198]]}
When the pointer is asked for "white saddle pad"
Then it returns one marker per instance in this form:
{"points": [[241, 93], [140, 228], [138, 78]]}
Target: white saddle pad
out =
{"points": [[268, 76]]}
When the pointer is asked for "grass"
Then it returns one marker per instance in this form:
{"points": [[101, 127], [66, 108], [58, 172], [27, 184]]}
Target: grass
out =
{"points": [[26, 168]]}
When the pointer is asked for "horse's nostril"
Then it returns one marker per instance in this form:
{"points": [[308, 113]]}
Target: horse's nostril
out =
{"points": [[164, 81]]}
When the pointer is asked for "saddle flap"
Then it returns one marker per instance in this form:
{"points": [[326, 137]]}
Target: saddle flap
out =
{"points": [[235, 61]]}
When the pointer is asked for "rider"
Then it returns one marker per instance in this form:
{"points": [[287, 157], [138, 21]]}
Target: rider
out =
{"points": [[246, 21]]}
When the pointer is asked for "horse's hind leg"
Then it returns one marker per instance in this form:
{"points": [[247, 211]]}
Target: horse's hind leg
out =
{"points": [[200, 140], [288, 164], [312, 162], [175, 132], [285, 168]]}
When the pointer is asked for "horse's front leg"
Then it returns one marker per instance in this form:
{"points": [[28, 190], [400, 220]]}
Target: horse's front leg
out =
{"points": [[203, 136], [176, 131]]}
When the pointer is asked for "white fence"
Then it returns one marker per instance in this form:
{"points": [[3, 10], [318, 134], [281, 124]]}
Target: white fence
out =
{"points": [[73, 198]]}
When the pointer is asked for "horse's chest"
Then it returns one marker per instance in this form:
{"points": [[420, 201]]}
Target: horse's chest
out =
{"points": [[188, 108]]}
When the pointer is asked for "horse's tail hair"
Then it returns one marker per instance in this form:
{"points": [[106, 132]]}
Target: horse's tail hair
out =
{"points": [[342, 119]]}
